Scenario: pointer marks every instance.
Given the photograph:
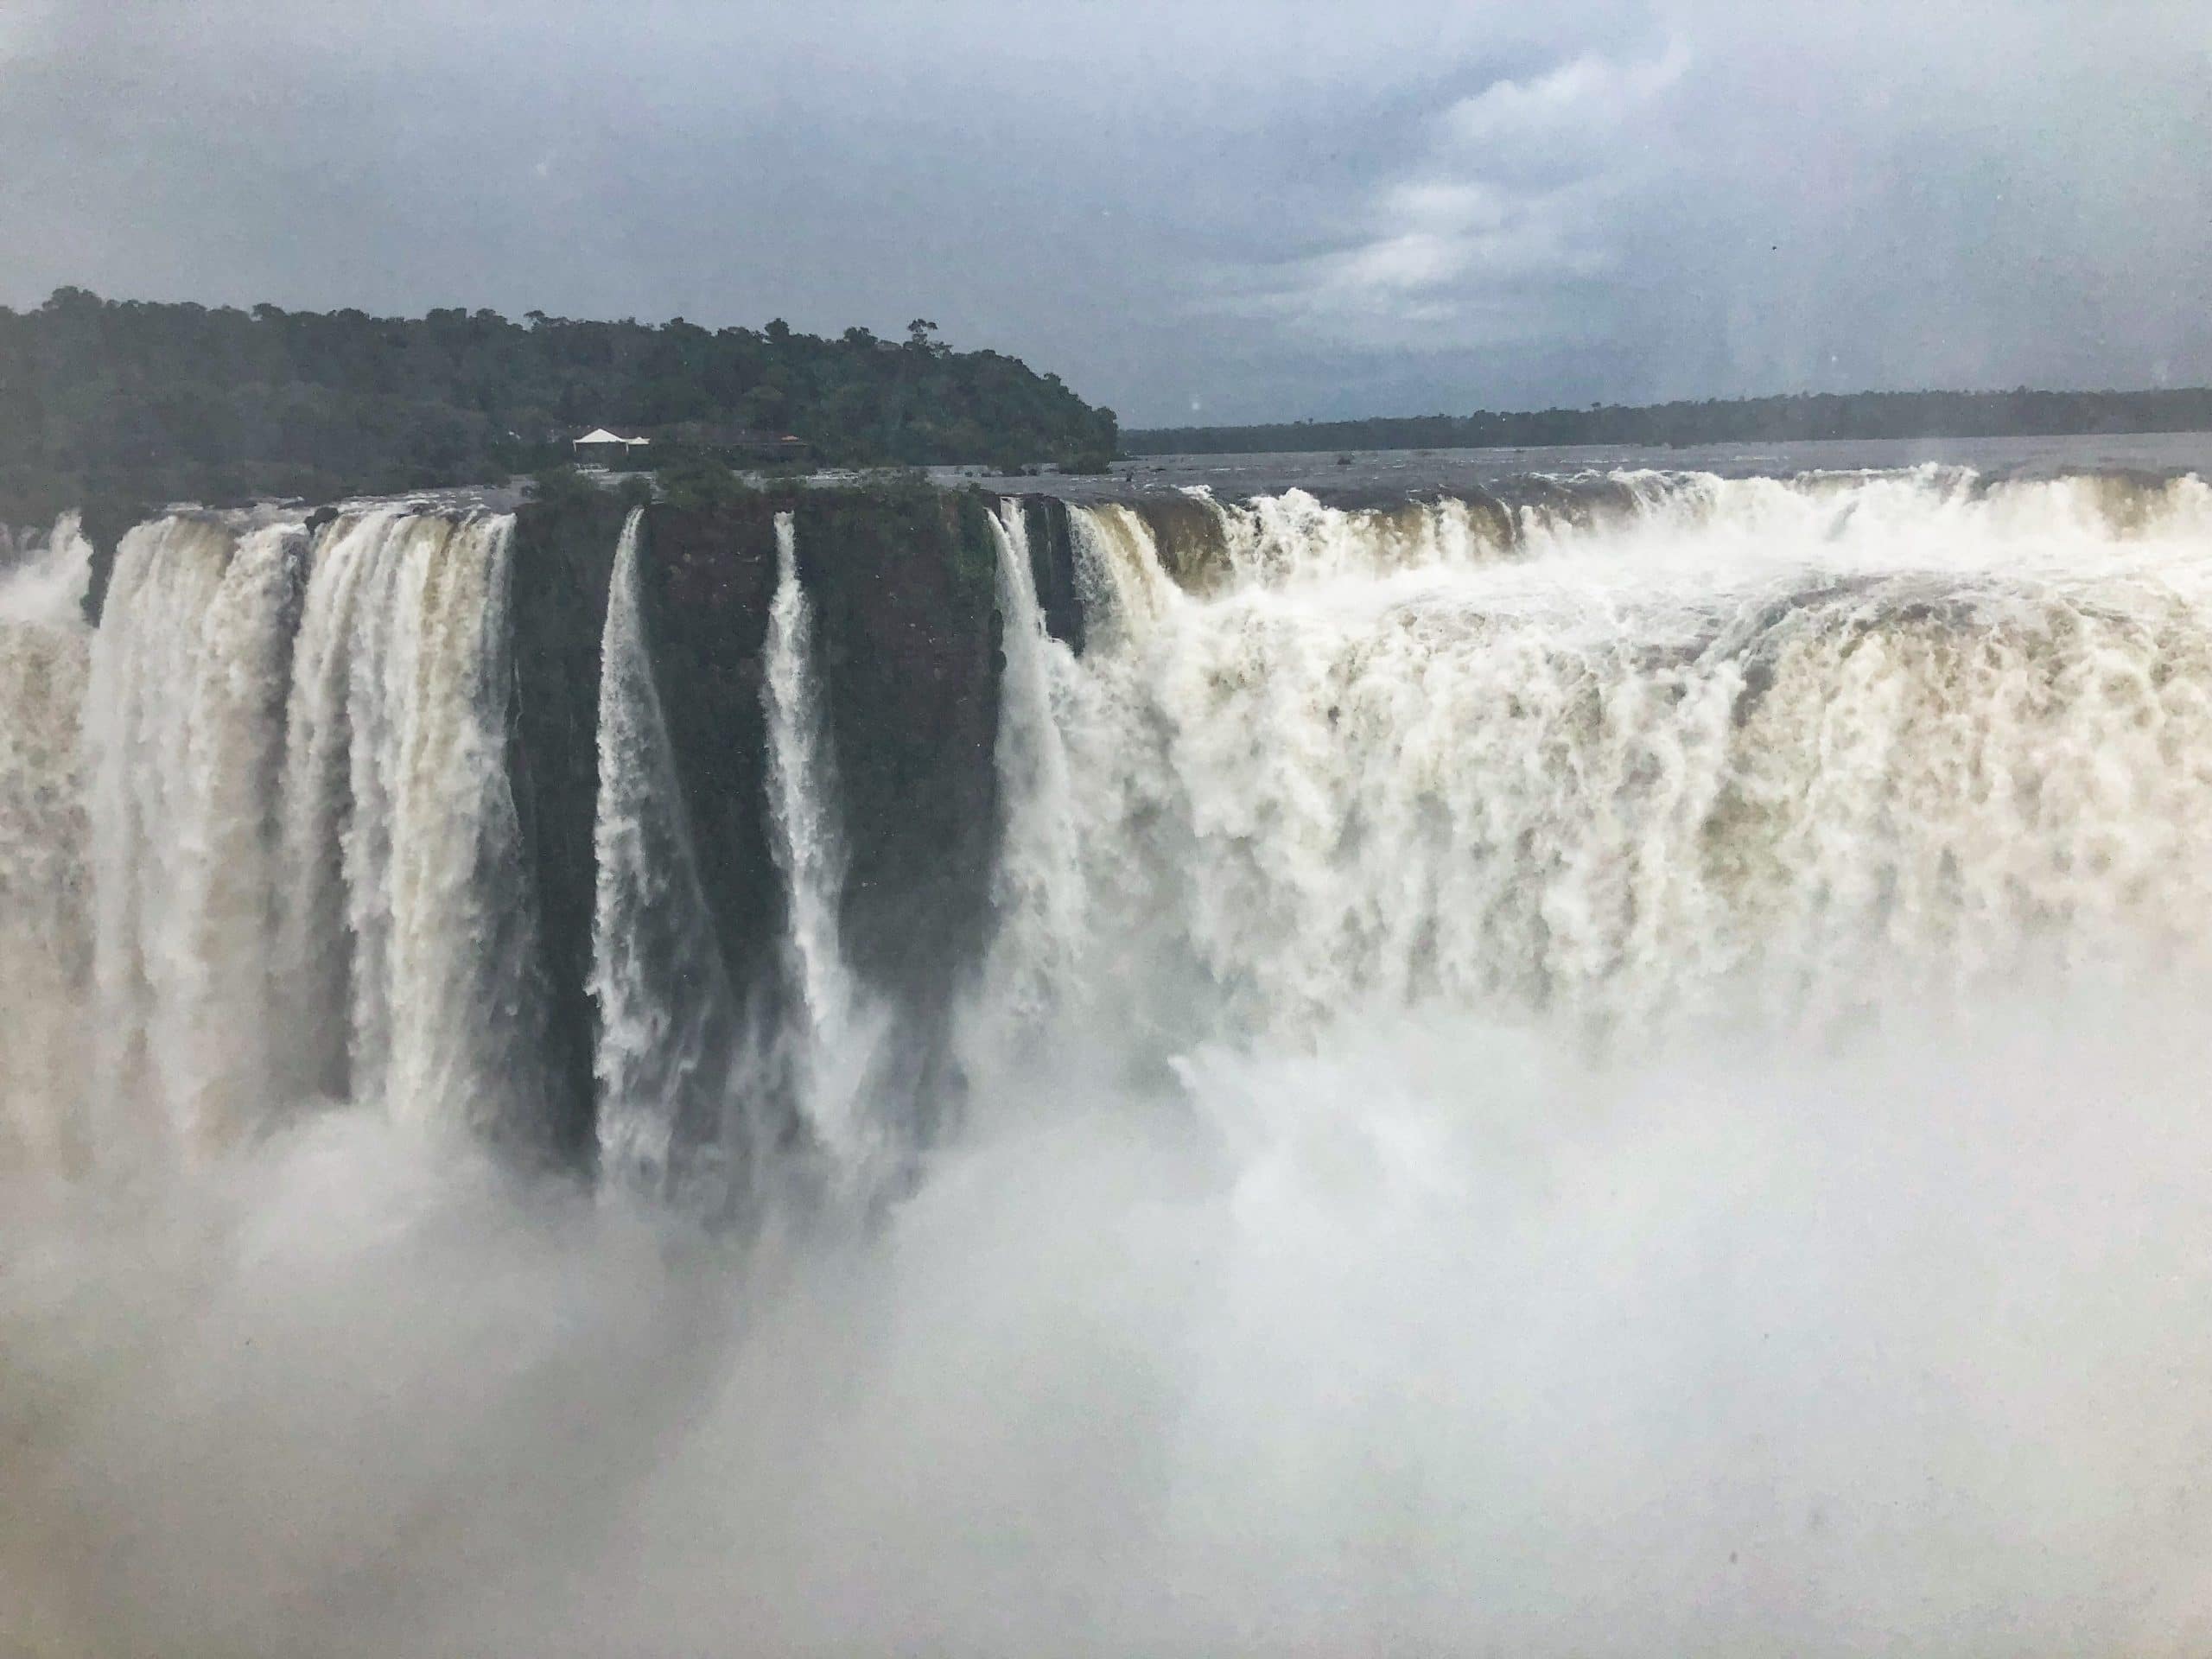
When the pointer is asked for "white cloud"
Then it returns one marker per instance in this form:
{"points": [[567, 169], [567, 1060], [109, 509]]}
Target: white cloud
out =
{"points": [[1588, 97], [1508, 200]]}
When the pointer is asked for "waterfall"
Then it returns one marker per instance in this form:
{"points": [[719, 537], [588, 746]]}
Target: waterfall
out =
{"points": [[1617, 750], [1817, 740], [45, 946], [43, 579], [1036, 887], [184, 725], [314, 948], [444, 1003], [1126, 589], [1612, 1065], [832, 1028], [668, 1027], [305, 857], [1274, 536]]}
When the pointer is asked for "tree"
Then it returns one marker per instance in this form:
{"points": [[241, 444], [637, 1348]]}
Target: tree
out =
{"points": [[158, 401]]}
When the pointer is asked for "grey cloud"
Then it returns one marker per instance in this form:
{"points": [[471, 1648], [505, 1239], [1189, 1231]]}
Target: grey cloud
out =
{"points": [[1504, 214], [1260, 210]]}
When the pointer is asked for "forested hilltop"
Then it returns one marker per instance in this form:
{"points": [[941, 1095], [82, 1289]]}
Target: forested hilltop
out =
{"points": [[106, 400], [1773, 420]]}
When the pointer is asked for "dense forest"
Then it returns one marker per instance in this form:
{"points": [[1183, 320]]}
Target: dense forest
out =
{"points": [[114, 401], [1774, 420]]}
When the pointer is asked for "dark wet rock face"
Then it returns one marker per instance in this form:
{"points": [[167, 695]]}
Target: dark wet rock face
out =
{"points": [[1053, 567], [562, 559], [902, 584]]}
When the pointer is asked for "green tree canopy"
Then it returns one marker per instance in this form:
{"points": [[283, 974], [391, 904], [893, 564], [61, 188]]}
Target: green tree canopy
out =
{"points": [[158, 401]]}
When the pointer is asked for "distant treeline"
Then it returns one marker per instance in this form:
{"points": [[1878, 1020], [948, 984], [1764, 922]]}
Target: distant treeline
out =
{"points": [[106, 400], [1780, 420]]}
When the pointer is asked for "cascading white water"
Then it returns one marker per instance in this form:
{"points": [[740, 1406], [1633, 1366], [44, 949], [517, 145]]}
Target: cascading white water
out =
{"points": [[44, 945], [1036, 886], [1293, 535], [1833, 739], [43, 579], [435, 899], [304, 865], [1827, 740], [184, 724], [833, 1029], [1310, 1284], [314, 948], [667, 1017], [466, 931]]}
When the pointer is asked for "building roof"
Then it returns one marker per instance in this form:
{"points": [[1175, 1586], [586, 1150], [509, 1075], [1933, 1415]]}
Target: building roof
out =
{"points": [[601, 435]]}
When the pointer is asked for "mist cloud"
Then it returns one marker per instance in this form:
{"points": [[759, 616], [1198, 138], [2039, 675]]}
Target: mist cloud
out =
{"points": [[1437, 1339]]}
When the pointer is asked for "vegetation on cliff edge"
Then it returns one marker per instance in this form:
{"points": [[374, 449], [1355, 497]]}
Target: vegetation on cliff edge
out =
{"points": [[103, 400]]}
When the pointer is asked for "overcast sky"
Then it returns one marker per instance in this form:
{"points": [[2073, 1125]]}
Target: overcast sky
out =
{"points": [[1193, 211]]}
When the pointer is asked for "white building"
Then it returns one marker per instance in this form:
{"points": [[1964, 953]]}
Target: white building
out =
{"points": [[600, 448]]}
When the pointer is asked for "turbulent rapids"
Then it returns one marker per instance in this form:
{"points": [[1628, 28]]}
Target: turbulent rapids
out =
{"points": [[1608, 1065], [1813, 744]]}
